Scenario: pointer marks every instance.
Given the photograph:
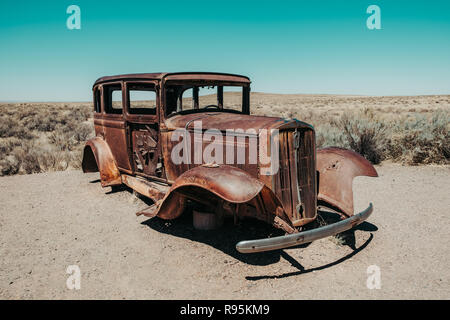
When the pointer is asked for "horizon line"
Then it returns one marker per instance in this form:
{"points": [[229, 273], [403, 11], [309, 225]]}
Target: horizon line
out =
{"points": [[284, 94]]}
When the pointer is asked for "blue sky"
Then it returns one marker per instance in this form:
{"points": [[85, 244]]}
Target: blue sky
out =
{"points": [[283, 46]]}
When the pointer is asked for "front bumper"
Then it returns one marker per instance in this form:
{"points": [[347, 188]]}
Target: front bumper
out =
{"points": [[294, 239]]}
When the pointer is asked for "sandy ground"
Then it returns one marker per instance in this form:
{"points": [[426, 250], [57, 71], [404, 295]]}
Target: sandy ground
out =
{"points": [[52, 220]]}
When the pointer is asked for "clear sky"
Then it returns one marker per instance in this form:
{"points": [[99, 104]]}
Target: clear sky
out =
{"points": [[283, 46]]}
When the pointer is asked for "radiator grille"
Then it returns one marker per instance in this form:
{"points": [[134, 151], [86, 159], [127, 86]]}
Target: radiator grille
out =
{"points": [[295, 182]]}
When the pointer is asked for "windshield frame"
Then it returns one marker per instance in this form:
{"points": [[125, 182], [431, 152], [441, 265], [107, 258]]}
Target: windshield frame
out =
{"points": [[192, 84]]}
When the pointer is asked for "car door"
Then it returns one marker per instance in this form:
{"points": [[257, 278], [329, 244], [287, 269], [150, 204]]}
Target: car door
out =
{"points": [[114, 124], [143, 126]]}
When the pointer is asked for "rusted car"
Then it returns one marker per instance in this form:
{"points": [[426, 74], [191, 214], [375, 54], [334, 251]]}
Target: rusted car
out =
{"points": [[159, 134]]}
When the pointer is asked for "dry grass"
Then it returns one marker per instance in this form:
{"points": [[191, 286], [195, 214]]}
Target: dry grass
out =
{"points": [[410, 130], [37, 137]]}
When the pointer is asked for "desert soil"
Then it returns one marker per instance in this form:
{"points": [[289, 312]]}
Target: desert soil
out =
{"points": [[52, 220]]}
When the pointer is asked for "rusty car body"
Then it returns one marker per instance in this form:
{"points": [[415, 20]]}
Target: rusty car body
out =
{"points": [[134, 144]]}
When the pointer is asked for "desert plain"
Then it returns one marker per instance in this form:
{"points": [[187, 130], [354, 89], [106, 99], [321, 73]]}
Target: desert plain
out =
{"points": [[53, 216]]}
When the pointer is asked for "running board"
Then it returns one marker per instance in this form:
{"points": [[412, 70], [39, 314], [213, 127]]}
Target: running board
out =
{"points": [[153, 190]]}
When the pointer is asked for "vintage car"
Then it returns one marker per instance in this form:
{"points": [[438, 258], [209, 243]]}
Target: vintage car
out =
{"points": [[180, 138]]}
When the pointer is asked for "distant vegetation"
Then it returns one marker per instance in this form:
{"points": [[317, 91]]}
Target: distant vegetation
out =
{"points": [[411, 130], [421, 139], [38, 137], [43, 137]]}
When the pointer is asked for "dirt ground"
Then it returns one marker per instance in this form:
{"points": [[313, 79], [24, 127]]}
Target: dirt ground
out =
{"points": [[52, 220]]}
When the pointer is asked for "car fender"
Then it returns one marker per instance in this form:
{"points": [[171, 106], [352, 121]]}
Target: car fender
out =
{"points": [[97, 156], [336, 168], [230, 184]]}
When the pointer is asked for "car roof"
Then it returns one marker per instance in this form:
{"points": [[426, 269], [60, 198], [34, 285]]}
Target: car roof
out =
{"points": [[176, 76]]}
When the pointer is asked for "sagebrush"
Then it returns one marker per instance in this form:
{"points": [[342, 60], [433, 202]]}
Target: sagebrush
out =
{"points": [[43, 137]]}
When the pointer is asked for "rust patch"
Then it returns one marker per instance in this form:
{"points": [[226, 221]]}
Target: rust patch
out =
{"points": [[105, 163]]}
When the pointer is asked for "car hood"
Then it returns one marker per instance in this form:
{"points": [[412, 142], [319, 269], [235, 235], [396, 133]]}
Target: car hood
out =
{"points": [[224, 120]]}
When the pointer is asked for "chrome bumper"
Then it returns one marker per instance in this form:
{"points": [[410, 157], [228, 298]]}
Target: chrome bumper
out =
{"points": [[294, 239]]}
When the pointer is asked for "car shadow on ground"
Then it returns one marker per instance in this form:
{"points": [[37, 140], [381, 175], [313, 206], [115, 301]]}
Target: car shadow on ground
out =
{"points": [[225, 238], [302, 270]]}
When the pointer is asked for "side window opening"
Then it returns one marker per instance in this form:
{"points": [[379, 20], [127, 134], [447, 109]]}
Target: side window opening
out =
{"points": [[142, 99], [97, 102], [113, 99]]}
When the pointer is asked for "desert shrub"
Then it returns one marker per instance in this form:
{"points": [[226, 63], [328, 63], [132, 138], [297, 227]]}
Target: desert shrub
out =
{"points": [[43, 137], [12, 128], [76, 157], [45, 122], [360, 131], [365, 134], [81, 114], [66, 138], [328, 135], [53, 161], [30, 157], [9, 165], [83, 132], [8, 144], [26, 155], [422, 140], [30, 162], [62, 140]]}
